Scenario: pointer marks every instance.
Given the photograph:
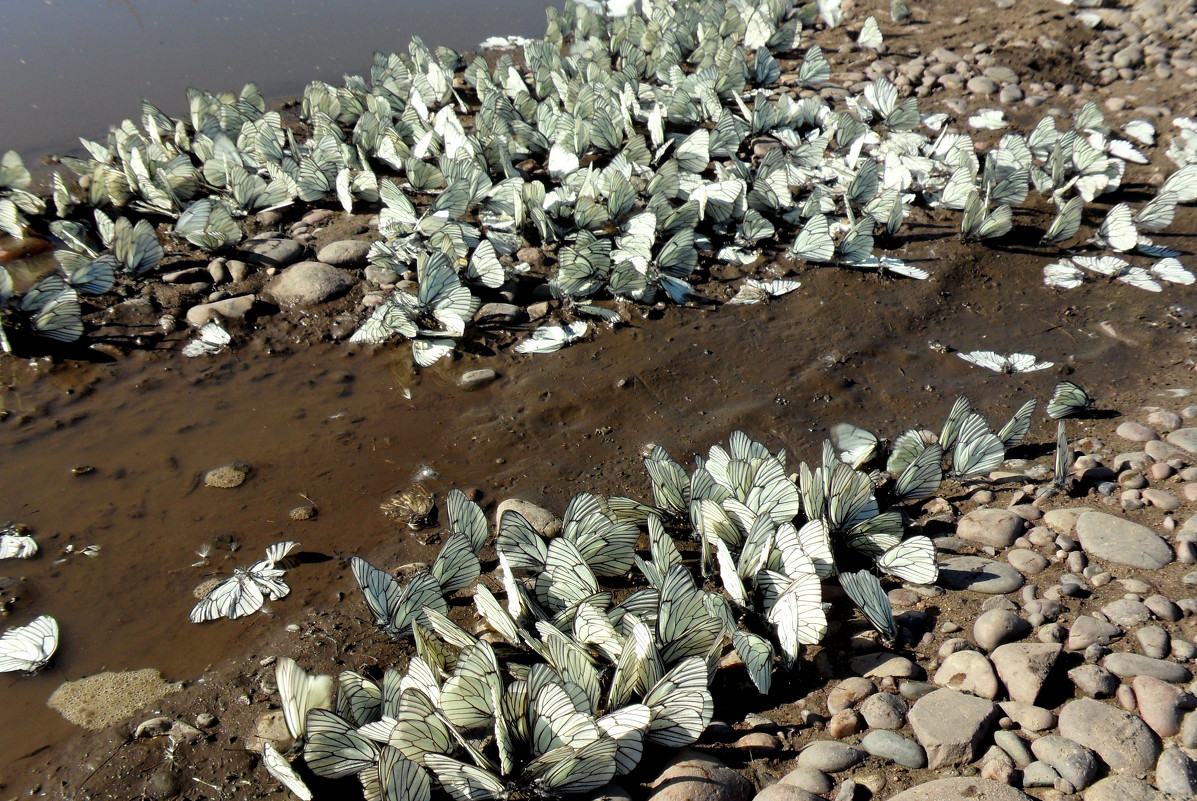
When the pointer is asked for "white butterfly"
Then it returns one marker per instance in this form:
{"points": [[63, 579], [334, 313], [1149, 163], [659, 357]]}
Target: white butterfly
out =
{"points": [[1014, 363], [299, 693], [394, 607], [212, 339], [17, 546], [247, 590], [864, 588], [911, 560], [754, 291], [28, 648], [1117, 231], [1063, 274], [281, 769], [870, 35], [1068, 399], [551, 338], [988, 119]]}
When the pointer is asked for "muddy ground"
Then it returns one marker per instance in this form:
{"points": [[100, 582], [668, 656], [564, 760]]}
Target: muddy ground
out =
{"points": [[324, 422]]}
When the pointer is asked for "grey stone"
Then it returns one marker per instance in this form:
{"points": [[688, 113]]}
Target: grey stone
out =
{"points": [[229, 309], [1039, 774], [1071, 760], [1062, 521], [1094, 680], [882, 664], [1014, 746], [951, 725], [999, 626], [1026, 561], [1122, 740], [501, 313], [1024, 667], [1176, 773], [1128, 665], [1121, 788], [188, 276], [1121, 541], [238, 270], [1086, 631], [894, 747], [227, 476], [276, 253], [809, 779], [980, 85], [979, 575], [1028, 716], [830, 756], [345, 253], [1185, 438], [884, 711], [612, 792], [1126, 613], [973, 788], [847, 693], [1161, 499], [694, 776], [1162, 607], [544, 521], [996, 527], [377, 274], [785, 792], [1135, 432], [309, 283]]}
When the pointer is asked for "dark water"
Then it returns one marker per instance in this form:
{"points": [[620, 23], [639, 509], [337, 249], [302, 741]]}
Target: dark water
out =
{"points": [[74, 67]]}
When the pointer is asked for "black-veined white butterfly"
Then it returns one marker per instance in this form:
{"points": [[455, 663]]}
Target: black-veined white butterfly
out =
{"points": [[17, 546], [911, 560], [1066, 223], [1117, 231], [864, 588], [854, 445], [1068, 399], [1014, 363], [212, 339], [977, 450], [1063, 458], [1012, 433], [300, 693], [921, 477], [334, 748], [278, 767], [551, 338], [870, 35], [395, 607], [248, 589], [28, 648], [980, 223]]}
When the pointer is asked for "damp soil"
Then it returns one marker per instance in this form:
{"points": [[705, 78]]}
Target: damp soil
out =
{"points": [[109, 448]]}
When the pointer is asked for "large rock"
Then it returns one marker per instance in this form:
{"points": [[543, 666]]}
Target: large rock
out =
{"points": [[951, 726], [309, 283], [1071, 760], [1122, 541], [970, 672], [1122, 740], [1184, 438], [996, 527], [693, 776], [1023, 667], [1127, 665], [962, 787]]}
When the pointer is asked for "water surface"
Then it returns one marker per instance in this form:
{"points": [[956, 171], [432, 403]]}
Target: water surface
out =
{"points": [[74, 67]]}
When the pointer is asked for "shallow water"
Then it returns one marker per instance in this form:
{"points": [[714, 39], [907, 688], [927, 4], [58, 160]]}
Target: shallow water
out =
{"points": [[74, 68], [330, 424]]}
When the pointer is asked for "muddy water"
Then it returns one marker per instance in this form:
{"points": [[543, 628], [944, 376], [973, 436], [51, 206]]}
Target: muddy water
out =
{"points": [[73, 69], [331, 424]]}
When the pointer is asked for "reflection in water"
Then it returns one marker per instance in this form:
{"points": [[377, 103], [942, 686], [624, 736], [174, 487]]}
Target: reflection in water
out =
{"points": [[74, 69]]}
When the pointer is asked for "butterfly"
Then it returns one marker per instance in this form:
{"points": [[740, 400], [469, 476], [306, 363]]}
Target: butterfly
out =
{"points": [[247, 590], [212, 339], [1068, 399], [278, 767], [395, 608], [1014, 363], [864, 588], [551, 338], [28, 648], [299, 693], [17, 546]]}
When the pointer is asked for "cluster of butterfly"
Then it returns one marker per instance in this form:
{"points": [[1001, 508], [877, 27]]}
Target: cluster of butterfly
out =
{"points": [[249, 588]]}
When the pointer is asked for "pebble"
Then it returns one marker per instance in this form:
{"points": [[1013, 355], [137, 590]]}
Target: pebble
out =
{"points": [[1185, 438], [1135, 432], [205, 720], [884, 711], [1028, 716], [1094, 680], [999, 626], [545, 522], [843, 724], [1122, 541], [1123, 741], [227, 476], [1161, 705], [304, 511], [1176, 773], [979, 575], [1121, 788], [1087, 630], [1073, 762], [1024, 667], [894, 747], [694, 776], [1155, 641], [1039, 774], [883, 664], [309, 283], [970, 672], [1126, 613], [1026, 561], [1062, 521], [980, 85], [848, 693], [229, 308], [758, 741], [238, 270], [275, 253], [995, 527], [830, 756], [1128, 665], [345, 253], [499, 313], [973, 788], [190, 275], [1014, 746], [473, 379], [1161, 499], [951, 725], [784, 792], [809, 779], [377, 274]]}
